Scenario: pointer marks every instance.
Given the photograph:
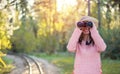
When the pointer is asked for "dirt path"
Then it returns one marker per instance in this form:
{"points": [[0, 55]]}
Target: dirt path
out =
{"points": [[21, 68]]}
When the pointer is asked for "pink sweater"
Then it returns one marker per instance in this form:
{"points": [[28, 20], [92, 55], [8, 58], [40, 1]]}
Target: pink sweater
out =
{"points": [[87, 58]]}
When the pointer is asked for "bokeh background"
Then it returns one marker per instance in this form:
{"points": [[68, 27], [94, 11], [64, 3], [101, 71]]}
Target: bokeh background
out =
{"points": [[43, 27]]}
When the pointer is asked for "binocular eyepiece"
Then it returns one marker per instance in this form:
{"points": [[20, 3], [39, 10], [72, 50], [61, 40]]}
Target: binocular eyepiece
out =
{"points": [[85, 24]]}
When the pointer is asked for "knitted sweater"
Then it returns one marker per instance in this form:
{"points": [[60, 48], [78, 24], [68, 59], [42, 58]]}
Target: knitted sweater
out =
{"points": [[87, 57]]}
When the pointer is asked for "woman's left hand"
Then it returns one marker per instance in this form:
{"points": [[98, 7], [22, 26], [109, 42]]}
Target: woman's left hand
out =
{"points": [[93, 28]]}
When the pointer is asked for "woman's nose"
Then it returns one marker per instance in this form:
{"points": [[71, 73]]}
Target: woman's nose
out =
{"points": [[86, 28]]}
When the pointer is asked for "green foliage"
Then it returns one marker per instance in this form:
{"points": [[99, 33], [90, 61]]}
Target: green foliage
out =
{"points": [[49, 37], [24, 39], [112, 40], [109, 27], [111, 36]]}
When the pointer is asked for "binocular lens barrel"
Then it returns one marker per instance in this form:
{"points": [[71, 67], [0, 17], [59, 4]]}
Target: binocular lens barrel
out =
{"points": [[85, 24]]}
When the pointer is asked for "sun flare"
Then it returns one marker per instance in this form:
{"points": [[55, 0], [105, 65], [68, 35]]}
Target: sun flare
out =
{"points": [[64, 4]]}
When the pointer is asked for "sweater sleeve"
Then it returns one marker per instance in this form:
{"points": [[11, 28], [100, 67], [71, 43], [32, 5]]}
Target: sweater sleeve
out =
{"points": [[73, 41], [99, 42]]}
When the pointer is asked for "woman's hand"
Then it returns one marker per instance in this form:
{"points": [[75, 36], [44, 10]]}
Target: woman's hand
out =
{"points": [[93, 28]]}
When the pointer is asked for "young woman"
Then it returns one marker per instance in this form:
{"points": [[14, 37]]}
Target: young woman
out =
{"points": [[87, 45]]}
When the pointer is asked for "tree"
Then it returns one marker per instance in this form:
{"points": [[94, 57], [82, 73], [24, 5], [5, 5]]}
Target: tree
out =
{"points": [[110, 9], [6, 30]]}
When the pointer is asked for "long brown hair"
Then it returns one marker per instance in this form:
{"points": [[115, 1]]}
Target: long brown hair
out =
{"points": [[82, 36]]}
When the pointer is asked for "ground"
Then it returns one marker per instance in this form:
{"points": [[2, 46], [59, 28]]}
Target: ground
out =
{"points": [[20, 67]]}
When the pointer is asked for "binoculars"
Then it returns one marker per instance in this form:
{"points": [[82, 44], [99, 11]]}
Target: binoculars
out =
{"points": [[85, 24]]}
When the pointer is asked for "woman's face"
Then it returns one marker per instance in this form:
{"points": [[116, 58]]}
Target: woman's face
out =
{"points": [[86, 30]]}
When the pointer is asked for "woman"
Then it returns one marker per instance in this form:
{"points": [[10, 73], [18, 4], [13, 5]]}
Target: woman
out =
{"points": [[87, 44]]}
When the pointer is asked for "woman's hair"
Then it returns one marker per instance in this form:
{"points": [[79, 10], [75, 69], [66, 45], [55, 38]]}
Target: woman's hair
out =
{"points": [[87, 43]]}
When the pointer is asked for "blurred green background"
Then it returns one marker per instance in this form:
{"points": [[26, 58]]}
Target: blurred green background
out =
{"points": [[45, 26]]}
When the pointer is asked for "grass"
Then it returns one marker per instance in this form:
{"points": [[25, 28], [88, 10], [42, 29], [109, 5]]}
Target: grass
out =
{"points": [[6, 69], [7, 60], [111, 66], [65, 61]]}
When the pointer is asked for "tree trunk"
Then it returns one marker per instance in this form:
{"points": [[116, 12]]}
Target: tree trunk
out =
{"points": [[88, 7], [99, 14]]}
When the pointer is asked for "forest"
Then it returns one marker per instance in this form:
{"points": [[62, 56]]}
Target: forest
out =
{"points": [[45, 26]]}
